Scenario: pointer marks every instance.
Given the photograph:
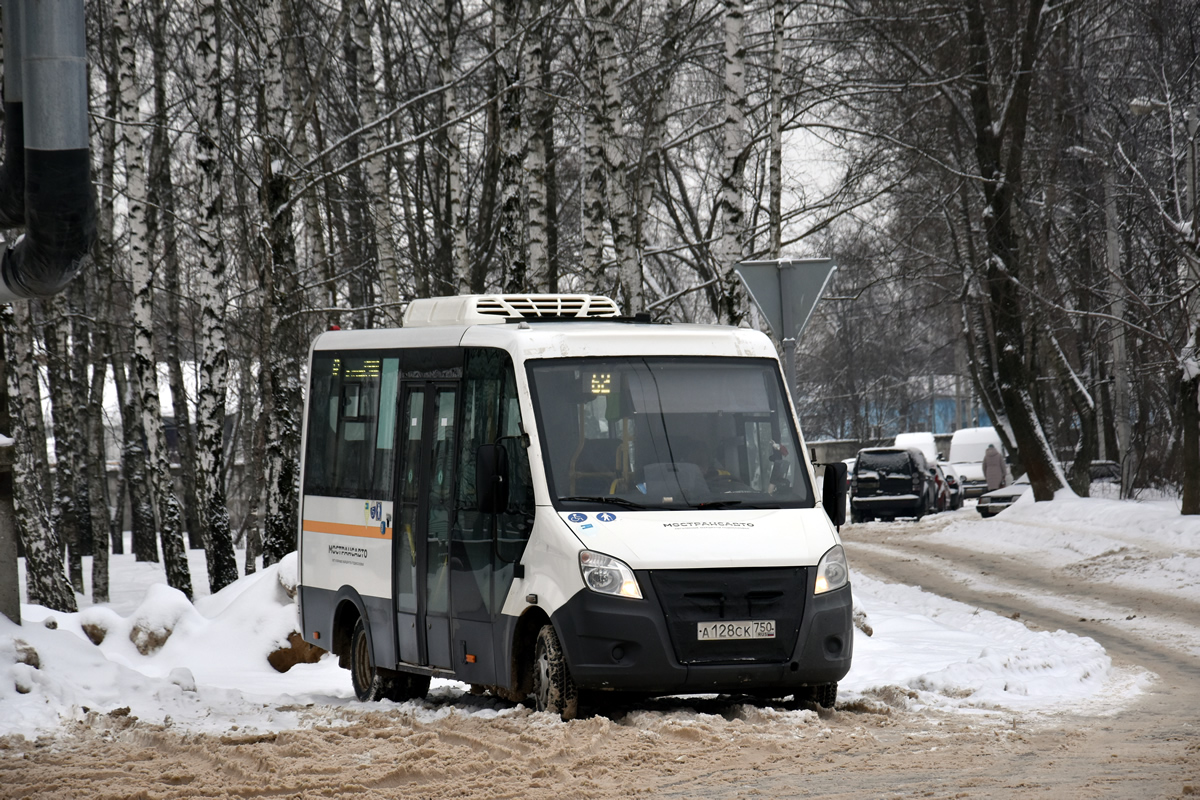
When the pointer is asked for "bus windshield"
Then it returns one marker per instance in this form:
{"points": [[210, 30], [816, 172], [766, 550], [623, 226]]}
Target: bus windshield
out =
{"points": [[667, 432]]}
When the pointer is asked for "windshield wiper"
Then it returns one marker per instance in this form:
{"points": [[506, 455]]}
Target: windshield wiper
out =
{"points": [[616, 501], [720, 504]]}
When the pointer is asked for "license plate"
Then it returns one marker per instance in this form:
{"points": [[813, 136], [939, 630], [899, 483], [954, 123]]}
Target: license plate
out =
{"points": [[736, 629]]}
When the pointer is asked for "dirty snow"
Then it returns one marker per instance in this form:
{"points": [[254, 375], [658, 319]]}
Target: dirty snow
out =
{"points": [[212, 675]]}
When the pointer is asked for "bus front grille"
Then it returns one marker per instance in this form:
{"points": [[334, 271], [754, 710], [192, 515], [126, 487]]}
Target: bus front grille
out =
{"points": [[692, 597]]}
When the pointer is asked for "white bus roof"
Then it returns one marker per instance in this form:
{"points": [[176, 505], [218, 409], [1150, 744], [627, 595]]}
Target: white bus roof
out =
{"points": [[527, 338]]}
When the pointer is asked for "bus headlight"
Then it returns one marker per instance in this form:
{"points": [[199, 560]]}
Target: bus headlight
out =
{"points": [[832, 570], [607, 575]]}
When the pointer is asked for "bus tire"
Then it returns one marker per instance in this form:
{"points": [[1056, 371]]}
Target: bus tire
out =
{"points": [[400, 687], [553, 688], [368, 683], [823, 694]]}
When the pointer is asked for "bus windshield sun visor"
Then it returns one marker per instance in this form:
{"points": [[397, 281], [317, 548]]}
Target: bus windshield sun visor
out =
{"points": [[45, 184]]}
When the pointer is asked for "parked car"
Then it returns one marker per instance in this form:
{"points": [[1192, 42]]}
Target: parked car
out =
{"points": [[967, 447], [954, 482], [992, 503], [891, 482]]}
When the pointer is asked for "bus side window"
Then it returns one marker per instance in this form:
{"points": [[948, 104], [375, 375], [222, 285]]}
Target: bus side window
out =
{"points": [[351, 431]]}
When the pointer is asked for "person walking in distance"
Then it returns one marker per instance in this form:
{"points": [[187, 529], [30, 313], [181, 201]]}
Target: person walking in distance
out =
{"points": [[993, 468]]}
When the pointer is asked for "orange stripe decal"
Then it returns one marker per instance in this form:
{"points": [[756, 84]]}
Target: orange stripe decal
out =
{"points": [[343, 529]]}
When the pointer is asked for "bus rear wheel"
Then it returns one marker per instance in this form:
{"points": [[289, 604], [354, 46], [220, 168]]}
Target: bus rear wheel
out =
{"points": [[553, 688], [367, 682], [376, 683]]}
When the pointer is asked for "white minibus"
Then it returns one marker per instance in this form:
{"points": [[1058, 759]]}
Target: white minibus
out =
{"points": [[537, 497]]}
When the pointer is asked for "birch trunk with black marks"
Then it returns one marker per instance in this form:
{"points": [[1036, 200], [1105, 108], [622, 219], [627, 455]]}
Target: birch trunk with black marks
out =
{"points": [[144, 376], [97, 474], [534, 110], [313, 231], [64, 401], [142, 523], [46, 583], [377, 165], [612, 150], [731, 246], [214, 360], [161, 222], [460, 254], [511, 141], [656, 121], [281, 380], [775, 180], [594, 176]]}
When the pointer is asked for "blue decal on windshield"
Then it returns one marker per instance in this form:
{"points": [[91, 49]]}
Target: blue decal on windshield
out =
{"points": [[577, 517], [606, 516]]}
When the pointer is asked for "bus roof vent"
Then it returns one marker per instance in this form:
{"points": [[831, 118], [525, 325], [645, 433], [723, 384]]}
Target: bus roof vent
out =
{"points": [[484, 308]]}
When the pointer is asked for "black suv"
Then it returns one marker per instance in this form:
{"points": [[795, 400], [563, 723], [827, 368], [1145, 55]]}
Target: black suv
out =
{"points": [[890, 482]]}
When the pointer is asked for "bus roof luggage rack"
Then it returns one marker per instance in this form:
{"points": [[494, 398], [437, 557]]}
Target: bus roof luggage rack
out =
{"points": [[475, 309]]}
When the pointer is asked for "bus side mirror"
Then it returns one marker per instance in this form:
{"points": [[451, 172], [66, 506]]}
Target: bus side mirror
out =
{"points": [[833, 493], [491, 478]]}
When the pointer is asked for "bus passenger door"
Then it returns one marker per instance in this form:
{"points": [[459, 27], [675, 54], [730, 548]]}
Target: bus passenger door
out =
{"points": [[422, 587]]}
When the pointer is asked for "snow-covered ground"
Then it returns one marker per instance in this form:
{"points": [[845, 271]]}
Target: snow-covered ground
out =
{"points": [[212, 674]]}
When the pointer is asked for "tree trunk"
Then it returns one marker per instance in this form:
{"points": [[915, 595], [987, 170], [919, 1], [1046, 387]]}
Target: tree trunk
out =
{"points": [[460, 255], [97, 474], [214, 360], [775, 191], [45, 581], [376, 166], [144, 377], [507, 44], [1189, 398], [1001, 177], [64, 401], [612, 150], [313, 231], [534, 110], [594, 179], [283, 398], [731, 247], [133, 466], [163, 229]]}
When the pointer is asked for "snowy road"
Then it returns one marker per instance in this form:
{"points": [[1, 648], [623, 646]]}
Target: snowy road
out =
{"points": [[1065, 663]]}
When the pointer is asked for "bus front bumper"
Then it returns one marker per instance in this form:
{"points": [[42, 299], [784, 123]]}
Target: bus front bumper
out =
{"points": [[618, 644]]}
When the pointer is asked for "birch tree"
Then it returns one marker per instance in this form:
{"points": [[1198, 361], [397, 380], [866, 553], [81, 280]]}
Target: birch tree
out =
{"points": [[65, 400], [610, 135], [460, 255], [377, 164], [510, 140], [280, 369], [214, 359], [46, 582], [144, 376], [534, 111], [731, 248]]}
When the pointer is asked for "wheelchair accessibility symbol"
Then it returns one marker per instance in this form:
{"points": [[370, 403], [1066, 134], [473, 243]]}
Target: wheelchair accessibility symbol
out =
{"points": [[577, 517]]}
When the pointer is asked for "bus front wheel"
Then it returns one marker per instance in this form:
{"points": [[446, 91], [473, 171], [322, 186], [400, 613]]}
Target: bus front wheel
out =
{"points": [[553, 688]]}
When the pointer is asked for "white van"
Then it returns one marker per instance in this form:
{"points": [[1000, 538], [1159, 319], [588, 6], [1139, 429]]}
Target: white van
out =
{"points": [[534, 496], [967, 447], [923, 441]]}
